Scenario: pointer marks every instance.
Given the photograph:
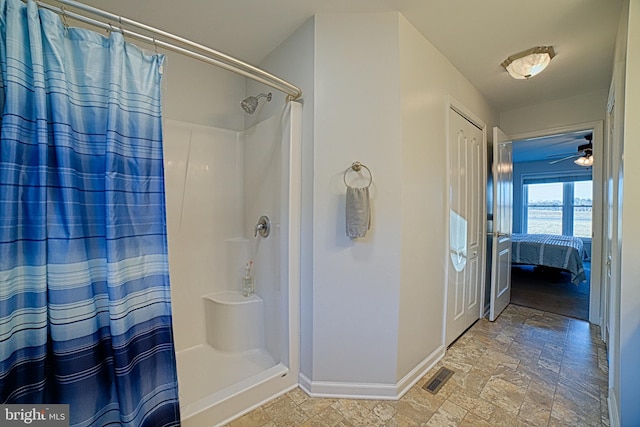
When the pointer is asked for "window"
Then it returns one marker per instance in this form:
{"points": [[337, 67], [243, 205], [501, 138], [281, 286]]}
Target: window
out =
{"points": [[558, 205], [544, 208], [582, 204]]}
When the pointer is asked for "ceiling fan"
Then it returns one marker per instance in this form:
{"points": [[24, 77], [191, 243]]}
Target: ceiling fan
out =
{"points": [[583, 156]]}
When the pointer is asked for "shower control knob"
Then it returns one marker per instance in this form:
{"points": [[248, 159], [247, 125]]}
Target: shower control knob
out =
{"points": [[263, 227]]}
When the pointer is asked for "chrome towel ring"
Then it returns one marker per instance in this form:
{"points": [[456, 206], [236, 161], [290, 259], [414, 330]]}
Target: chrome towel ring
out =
{"points": [[357, 167]]}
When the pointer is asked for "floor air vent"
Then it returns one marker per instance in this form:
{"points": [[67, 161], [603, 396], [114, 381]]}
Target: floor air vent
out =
{"points": [[438, 380]]}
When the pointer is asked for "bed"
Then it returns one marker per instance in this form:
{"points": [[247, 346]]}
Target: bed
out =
{"points": [[549, 250]]}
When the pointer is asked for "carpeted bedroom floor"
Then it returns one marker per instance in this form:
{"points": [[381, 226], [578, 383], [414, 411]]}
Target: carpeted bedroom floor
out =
{"points": [[550, 291]]}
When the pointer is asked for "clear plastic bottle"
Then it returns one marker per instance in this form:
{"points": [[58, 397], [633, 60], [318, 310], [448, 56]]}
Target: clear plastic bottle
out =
{"points": [[248, 282]]}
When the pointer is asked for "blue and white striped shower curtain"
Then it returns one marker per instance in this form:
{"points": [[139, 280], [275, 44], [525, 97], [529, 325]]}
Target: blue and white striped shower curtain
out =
{"points": [[85, 315]]}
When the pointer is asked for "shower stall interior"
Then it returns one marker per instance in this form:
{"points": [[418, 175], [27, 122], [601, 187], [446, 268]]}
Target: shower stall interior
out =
{"points": [[233, 199]]}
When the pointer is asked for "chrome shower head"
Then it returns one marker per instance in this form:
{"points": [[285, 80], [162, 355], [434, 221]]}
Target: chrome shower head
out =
{"points": [[250, 104]]}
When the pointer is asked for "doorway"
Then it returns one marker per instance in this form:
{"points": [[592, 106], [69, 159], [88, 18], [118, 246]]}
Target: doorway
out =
{"points": [[555, 195]]}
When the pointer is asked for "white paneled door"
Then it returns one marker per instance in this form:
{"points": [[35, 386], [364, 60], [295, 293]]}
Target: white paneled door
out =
{"points": [[502, 223], [466, 208]]}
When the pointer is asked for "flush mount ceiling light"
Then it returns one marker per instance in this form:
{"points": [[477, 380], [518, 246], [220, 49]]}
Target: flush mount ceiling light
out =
{"points": [[528, 63]]}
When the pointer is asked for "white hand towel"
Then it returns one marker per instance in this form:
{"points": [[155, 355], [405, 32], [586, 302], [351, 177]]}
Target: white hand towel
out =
{"points": [[358, 212]]}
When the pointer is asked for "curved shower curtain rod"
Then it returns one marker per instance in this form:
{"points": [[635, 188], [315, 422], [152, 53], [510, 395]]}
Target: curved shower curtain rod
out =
{"points": [[209, 55]]}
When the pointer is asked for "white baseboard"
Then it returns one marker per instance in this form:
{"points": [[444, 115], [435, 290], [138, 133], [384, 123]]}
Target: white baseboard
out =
{"points": [[419, 371], [332, 389], [614, 416]]}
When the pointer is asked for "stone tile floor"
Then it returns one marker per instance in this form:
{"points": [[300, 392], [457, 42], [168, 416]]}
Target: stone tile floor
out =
{"points": [[529, 368]]}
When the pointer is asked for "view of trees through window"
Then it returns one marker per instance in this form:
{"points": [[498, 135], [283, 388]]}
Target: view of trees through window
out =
{"points": [[559, 208]]}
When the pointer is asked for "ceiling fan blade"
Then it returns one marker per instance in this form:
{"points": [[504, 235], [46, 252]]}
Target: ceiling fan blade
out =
{"points": [[565, 158], [551, 156]]}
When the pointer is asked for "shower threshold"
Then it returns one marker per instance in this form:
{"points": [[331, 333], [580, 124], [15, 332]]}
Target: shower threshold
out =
{"points": [[207, 376]]}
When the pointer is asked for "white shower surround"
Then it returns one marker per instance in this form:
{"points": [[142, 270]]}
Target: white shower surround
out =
{"points": [[218, 183]]}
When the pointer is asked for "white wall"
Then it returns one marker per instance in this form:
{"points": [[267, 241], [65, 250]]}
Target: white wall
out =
{"points": [[615, 212], [375, 91], [583, 108], [195, 92], [356, 283], [630, 232], [427, 79]]}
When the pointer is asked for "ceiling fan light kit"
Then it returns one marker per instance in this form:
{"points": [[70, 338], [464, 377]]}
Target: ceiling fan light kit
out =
{"points": [[528, 63], [584, 161], [584, 154], [587, 149]]}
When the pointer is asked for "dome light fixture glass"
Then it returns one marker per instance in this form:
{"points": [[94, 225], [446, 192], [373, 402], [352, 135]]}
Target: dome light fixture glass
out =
{"points": [[528, 63], [587, 160]]}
